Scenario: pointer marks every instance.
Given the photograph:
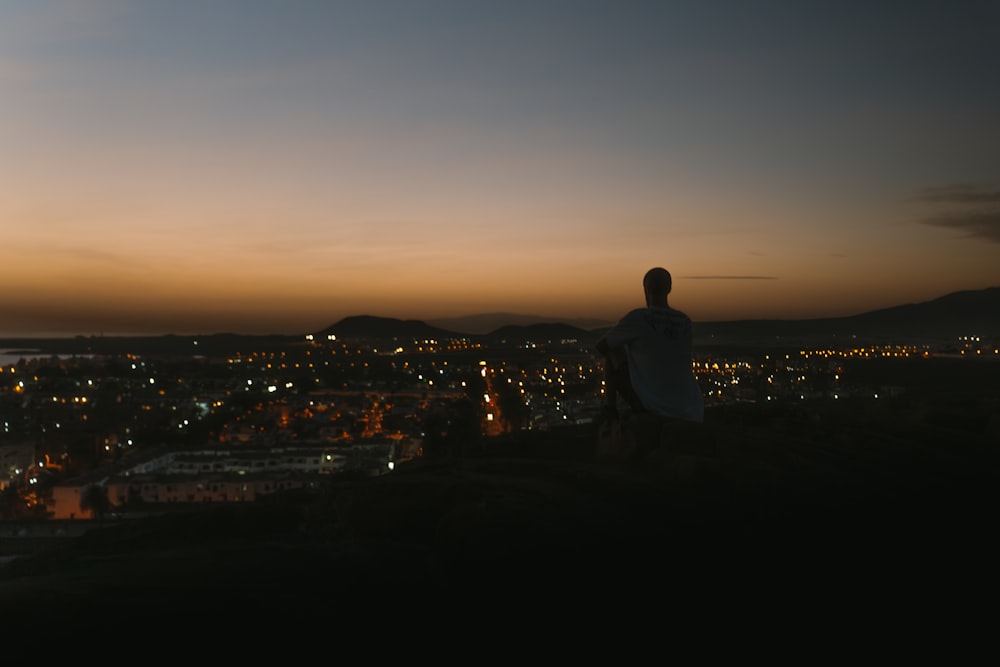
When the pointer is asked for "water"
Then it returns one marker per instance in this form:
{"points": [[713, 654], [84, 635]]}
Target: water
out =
{"points": [[11, 357]]}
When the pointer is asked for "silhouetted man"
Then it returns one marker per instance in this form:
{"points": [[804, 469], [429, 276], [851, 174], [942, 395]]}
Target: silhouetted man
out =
{"points": [[648, 358]]}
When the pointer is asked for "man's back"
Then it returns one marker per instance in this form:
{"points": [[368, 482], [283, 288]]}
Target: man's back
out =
{"points": [[657, 340]]}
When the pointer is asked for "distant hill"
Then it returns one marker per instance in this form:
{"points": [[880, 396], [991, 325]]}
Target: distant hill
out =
{"points": [[486, 323], [975, 312], [972, 312], [968, 312], [386, 328], [552, 332]]}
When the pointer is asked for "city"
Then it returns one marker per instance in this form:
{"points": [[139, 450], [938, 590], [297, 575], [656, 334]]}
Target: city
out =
{"points": [[123, 434]]}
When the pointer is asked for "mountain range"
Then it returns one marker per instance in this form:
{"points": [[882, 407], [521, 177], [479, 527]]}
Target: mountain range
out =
{"points": [[486, 323], [965, 313], [945, 319]]}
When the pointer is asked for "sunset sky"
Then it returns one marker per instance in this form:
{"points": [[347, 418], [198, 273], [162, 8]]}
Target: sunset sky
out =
{"points": [[251, 166]]}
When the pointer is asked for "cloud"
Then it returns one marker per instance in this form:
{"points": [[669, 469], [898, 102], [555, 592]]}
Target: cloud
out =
{"points": [[729, 277], [958, 194], [978, 215], [983, 224]]}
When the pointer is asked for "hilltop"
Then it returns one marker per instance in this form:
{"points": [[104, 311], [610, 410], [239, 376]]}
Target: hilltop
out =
{"points": [[386, 328], [486, 323], [975, 312], [829, 499]]}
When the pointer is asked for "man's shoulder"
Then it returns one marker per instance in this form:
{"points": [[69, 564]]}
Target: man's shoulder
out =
{"points": [[653, 314], [632, 317], [628, 327], [637, 313], [667, 313]]}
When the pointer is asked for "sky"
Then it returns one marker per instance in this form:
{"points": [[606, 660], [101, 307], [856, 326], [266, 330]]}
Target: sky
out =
{"points": [[273, 166]]}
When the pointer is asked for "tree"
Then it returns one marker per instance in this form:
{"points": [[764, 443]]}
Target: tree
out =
{"points": [[11, 507], [513, 410], [435, 427], [465, 425], [94, 498]]}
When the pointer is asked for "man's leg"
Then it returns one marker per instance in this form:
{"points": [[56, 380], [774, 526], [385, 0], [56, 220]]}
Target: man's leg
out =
{"points": [[618, 383], [615, 374], [609, 433]]}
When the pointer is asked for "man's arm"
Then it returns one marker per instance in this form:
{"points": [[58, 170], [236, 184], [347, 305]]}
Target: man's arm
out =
{"points": [[603, 347]]}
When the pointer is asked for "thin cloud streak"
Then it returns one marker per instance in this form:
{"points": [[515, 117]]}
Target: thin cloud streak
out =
{"points": [[981, 222], [975, 224], [729, 277], [958, 194]]}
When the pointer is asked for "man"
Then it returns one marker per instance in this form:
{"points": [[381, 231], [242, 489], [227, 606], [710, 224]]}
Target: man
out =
{"points": [[648, 358]]}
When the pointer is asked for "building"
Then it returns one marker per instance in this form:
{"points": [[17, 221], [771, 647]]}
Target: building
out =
{"points": [[159, 480]]}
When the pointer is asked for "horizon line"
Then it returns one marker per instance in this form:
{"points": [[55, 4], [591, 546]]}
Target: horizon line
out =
{"points": [[10, 336]]}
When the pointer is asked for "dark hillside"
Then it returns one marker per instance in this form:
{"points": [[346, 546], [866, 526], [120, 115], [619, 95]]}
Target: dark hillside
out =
{"points": [[974, 312], [828, 497]]}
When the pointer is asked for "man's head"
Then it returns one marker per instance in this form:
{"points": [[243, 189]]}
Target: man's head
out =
{"points": [[656, 284]]}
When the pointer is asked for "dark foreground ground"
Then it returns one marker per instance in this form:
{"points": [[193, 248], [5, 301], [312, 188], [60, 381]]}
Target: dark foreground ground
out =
{"points": [[875, 504]]}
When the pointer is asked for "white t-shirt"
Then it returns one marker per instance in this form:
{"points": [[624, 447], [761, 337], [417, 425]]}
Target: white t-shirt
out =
{"points": [[658, 342]]}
